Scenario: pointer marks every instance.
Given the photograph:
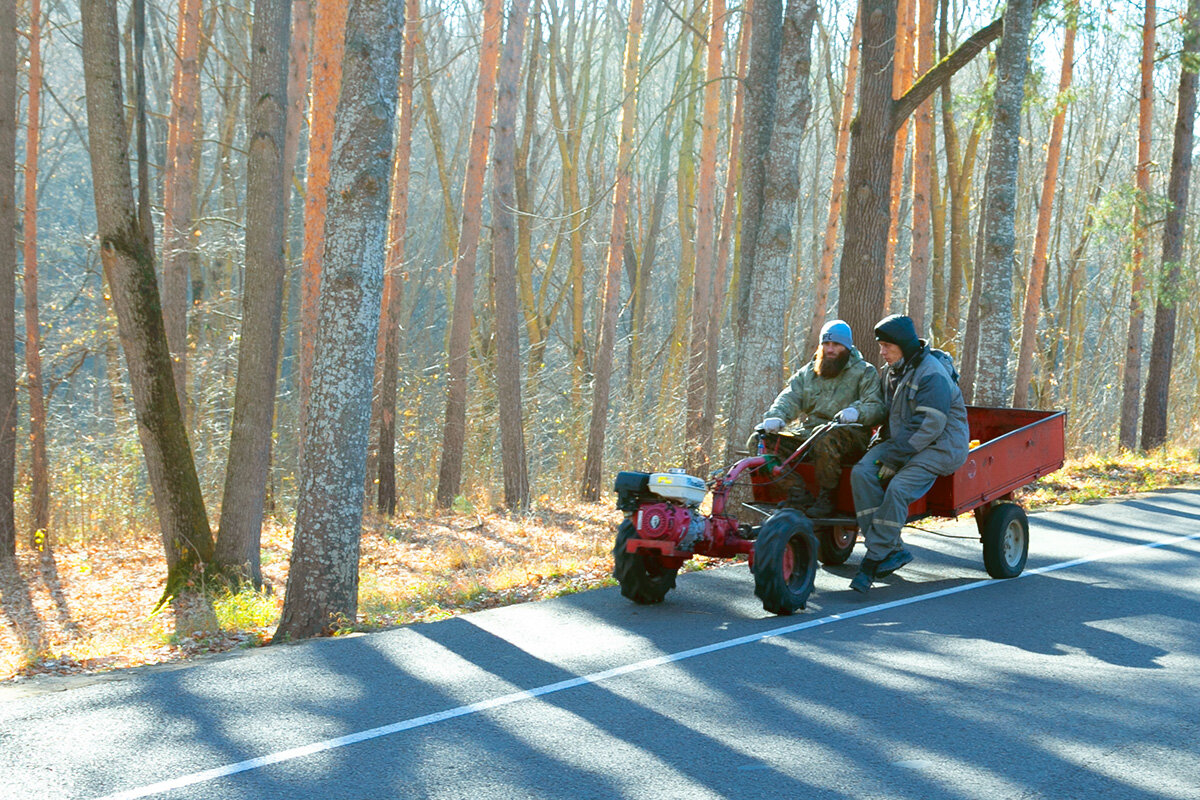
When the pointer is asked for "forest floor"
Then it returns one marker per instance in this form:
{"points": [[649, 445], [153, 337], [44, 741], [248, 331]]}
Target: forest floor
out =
{"points": [[90, 611]]}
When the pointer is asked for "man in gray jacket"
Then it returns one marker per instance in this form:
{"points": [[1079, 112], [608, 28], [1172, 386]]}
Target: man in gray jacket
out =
{"points": [[924, 435], [837, 382]]}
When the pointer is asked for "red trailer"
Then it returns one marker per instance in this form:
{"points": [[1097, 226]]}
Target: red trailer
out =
{"points": [[664, 526]]}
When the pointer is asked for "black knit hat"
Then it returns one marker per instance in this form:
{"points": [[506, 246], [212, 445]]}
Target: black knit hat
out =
{"points": [[900, 331]]}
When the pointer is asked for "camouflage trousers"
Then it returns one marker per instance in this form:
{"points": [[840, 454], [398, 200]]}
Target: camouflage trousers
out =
{"points": [[837, 448]]}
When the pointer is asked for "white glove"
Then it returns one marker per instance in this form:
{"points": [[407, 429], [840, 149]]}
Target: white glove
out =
{"points": [[848, 414], [772, 424]]}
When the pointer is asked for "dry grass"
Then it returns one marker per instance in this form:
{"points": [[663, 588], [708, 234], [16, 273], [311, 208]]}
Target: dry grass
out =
{"points": [[91, 611]]}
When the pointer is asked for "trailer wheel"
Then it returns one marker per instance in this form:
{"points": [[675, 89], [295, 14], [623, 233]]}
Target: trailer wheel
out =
{"points": [[642, 576], [836, 544], [1005, 541], [785, 562]]}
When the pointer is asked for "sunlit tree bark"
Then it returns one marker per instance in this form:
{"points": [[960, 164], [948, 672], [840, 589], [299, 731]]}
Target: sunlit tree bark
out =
{"points": [[322, 585], [128, 260], [39, 473], [240, 531], [179, 195], [454, 431], [704, 312]]}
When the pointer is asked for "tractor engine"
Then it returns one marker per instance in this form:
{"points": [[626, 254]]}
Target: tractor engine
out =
{"points": [[664, 506]]}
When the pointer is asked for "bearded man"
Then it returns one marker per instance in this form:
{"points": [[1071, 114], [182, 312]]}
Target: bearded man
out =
{"points": [[837, 383]]}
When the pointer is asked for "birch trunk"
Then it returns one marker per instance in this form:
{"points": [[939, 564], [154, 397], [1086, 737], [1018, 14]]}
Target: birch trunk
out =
{"points": [[322, 586], [995, 300]]}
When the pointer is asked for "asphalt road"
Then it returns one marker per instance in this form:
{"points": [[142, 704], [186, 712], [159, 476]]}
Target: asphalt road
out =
{"points": [[1080, 679]]}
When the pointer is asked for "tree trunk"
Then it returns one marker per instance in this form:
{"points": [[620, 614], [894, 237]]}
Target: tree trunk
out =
{"points": [[179, 194], [326, 83], [454, 431], [8, 269], [393, 282], [901, 80], [616, 250], [1170, 292], [508, 341], [39, 472], [322, 586], [758, 366], [729, 200], [918, 267], [1037, 267], [240, 531], [766, 29], [829, 245], [704, 312], [128, 261], [995, 309], [870, 171], [1131, 383]]}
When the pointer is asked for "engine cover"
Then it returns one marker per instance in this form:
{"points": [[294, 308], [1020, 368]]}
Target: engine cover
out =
{"points": [[662, 521]]}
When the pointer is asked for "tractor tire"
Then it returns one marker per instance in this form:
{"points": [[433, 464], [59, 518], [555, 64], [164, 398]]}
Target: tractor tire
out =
{"points": [[785, 562], [836, 544], [1005, 538], [642, 577]]}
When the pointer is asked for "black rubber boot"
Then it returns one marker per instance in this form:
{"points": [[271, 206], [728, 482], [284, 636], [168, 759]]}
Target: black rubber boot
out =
{"points": [[865, 577], [823, 507]]}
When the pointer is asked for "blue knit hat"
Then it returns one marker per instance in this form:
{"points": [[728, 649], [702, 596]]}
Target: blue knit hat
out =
{"points": [[837, 331]]}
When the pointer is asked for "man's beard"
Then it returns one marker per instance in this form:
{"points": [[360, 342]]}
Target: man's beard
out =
{"points": [[831, 367]]}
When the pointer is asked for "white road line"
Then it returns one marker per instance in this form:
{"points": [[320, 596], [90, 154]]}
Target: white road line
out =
{"points": [[597, 677]]}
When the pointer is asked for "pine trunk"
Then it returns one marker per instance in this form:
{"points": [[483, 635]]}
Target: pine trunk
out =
{"points": [[39, 472], [918, 280], [454, 431], [179, 188]]}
